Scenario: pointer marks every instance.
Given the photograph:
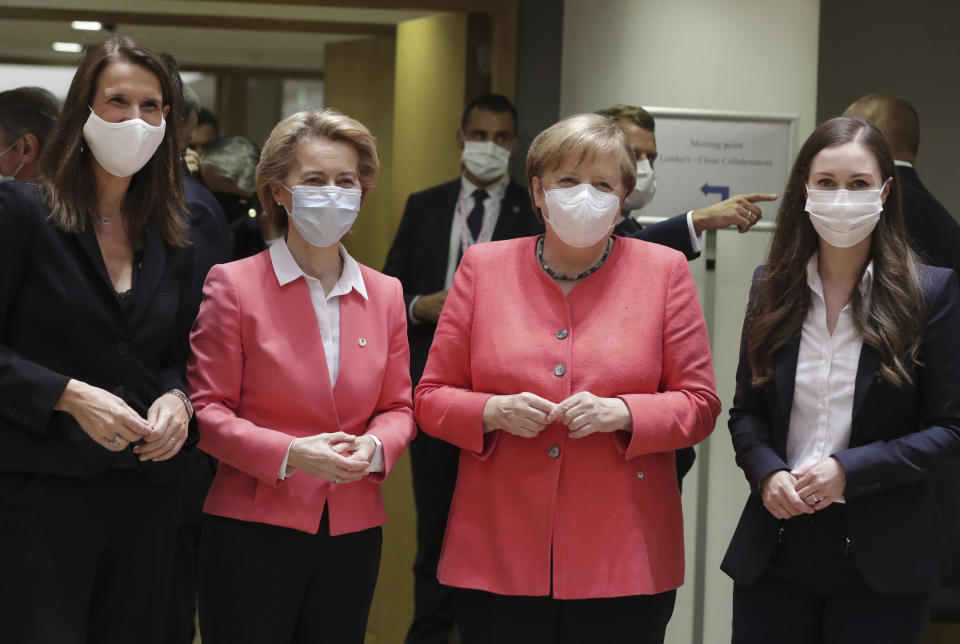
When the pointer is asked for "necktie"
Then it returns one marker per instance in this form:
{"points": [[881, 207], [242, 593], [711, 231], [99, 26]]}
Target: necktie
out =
{"points": [[475, 218]]}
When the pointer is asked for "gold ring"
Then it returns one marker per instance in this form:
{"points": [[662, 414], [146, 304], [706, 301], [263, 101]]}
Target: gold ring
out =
{"points": [[816, 499], [338, 479], [117, 441]]}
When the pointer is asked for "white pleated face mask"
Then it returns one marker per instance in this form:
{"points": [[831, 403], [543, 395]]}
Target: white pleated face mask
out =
{"points": [[581, 215], [844, 218], [646, 187], [324, 214], [125, 147], [486, 161]]}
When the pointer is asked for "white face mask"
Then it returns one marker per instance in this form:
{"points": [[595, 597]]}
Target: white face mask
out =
{"points": [[581, 215], [844, 218], [644, 190], [125, 147], [4, 177], [486, 161], [324, 214]]}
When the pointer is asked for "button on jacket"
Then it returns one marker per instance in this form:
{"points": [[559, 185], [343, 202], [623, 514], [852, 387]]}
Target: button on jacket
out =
{"points": [[258, 376], [578, 511]]}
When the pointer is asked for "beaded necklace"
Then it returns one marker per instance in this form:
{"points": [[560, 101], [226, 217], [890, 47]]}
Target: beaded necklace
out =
{"points": [[579, 276]]}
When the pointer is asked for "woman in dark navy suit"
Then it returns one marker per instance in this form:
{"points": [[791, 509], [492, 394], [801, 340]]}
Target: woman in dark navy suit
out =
{"points": [[848, 394]]}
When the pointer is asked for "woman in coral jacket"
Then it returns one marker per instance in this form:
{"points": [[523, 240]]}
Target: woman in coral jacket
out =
{"points": [[568, 368], [300, 381]]}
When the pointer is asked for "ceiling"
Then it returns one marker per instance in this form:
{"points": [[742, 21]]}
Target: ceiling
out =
{"points": [[287, 36]]}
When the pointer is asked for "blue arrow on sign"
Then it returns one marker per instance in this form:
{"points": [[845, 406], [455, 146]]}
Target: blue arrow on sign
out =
{"points": [[723, 191]]}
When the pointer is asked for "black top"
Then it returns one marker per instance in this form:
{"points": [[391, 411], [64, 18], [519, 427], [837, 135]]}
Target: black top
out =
{"points": [[60, 318]]}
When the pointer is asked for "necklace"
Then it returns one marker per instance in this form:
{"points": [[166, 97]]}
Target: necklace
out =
{"points": [[579, 276]]}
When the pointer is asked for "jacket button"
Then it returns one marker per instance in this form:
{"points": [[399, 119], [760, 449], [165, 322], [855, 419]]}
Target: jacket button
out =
{"points": [[553, 451], [119, 391], [562, 333], [122, 348], [640, 474], [559, 370]]}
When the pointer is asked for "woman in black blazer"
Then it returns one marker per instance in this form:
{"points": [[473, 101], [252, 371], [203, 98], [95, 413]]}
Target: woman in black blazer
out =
{"points": [[848, 394], [94, 279]]}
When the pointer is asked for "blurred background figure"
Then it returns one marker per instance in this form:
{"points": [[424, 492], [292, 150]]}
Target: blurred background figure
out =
{"points": [[27, 116], [206, 130]]}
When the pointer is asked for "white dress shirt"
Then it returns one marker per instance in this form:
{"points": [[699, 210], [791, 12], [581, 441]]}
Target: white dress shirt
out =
{"points": [[821, 417], [326, 306], [465, 203]]}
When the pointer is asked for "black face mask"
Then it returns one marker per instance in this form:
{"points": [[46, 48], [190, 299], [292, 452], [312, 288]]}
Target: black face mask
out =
{"points": [[236, 207]]}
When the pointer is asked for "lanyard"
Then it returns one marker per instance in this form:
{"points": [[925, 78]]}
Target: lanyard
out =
{"points": [[466, 235]]}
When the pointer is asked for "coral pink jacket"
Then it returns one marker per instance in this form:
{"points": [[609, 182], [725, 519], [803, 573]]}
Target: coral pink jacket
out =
{"points": [[258, 378], [599, 515]]}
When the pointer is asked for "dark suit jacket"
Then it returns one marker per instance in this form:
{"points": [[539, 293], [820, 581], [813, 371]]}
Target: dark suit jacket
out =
{"points": [[209, 232], [60, 319], [934, 234], [899, 434], [672, 233], [418, 256]]}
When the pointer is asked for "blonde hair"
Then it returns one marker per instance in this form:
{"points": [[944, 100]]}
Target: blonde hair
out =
{"points": [[278, 152], [586, 135]]}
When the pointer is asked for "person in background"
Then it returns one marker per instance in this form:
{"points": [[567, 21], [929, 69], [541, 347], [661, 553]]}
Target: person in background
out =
{"points": [[300, 376], [566, 522], [27, 117], [205, 132], [847, 397], [95, 269], [191, 108], [212, 244], [685, 231], [228, 169]]}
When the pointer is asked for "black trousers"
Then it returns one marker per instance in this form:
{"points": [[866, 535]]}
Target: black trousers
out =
{"points": [[261, 583], [488, 618], [85, 560], [813, 593], [434, 465]]}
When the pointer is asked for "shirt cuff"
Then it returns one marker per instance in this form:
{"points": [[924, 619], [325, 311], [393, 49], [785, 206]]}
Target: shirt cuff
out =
{"points": [[376, 463], [413, 318], [694, 237], [286, 470]]}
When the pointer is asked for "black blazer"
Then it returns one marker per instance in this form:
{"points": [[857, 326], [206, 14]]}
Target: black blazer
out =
{"points": [[60, 319], [209, 232], [934, 234], [673, 233], [418, 256], [899, 434]]}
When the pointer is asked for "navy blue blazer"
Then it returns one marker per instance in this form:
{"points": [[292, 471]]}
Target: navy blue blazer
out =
{"points": [[673, 233], [899, 435]]}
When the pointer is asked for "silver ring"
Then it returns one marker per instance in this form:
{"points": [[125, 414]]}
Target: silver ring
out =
{"points": [[816, 499], [117, 441], [172, 439]]}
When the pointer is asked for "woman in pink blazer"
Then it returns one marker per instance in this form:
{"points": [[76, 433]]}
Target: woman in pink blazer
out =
{"points": [[568, 368], [300, 381]]}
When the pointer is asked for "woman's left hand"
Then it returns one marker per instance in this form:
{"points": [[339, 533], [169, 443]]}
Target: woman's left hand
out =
{"points": [[822, 484], [586, 414], [168, 420]]}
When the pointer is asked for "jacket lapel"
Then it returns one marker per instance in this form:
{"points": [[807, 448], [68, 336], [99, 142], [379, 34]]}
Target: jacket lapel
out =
{"points": [[866, 369], [785, 375], [152, 265], [357, 343], [91, 248]]}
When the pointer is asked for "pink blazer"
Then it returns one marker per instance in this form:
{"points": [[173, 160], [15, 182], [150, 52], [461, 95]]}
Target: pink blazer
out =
{"points": [[258, 378], [600, 514]]}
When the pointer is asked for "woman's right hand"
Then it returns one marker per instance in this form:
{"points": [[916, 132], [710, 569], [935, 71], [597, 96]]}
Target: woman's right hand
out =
{"points": [[779, 492], [524, 415], [321, 456], [104, 417]]}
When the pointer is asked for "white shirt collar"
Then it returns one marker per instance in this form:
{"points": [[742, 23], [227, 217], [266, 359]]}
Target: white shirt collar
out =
{"points": [[495, 188], [813, 277], [905, 164], [286, 269]]}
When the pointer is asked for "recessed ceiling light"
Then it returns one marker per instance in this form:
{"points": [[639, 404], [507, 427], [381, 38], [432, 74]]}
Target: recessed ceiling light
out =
{"points": [[86, 25], [68, 47]]}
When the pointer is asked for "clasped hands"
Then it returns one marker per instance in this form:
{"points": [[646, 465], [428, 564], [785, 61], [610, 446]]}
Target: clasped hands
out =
{"points": [[337, 457], [788, 494], [526, 415]]}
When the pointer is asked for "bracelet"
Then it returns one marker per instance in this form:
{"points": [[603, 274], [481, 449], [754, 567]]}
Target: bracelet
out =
{"points": [[184, 399]]}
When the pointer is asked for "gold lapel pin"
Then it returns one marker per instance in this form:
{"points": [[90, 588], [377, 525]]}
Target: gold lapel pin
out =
{"points": [[362, 342]]}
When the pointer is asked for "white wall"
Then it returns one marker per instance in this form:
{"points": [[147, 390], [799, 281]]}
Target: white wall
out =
{"points": [[740, 55]]}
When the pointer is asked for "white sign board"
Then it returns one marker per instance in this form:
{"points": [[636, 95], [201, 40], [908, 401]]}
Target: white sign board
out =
{"points": [[706, 157]]}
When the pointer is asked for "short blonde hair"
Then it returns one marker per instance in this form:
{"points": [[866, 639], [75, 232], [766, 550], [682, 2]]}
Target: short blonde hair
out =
{"points": [[586, 135], [278, 151]]}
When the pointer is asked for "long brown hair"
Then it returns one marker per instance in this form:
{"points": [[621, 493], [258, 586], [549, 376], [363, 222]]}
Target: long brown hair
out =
{"points": [[892, 319], [69, 186]]}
